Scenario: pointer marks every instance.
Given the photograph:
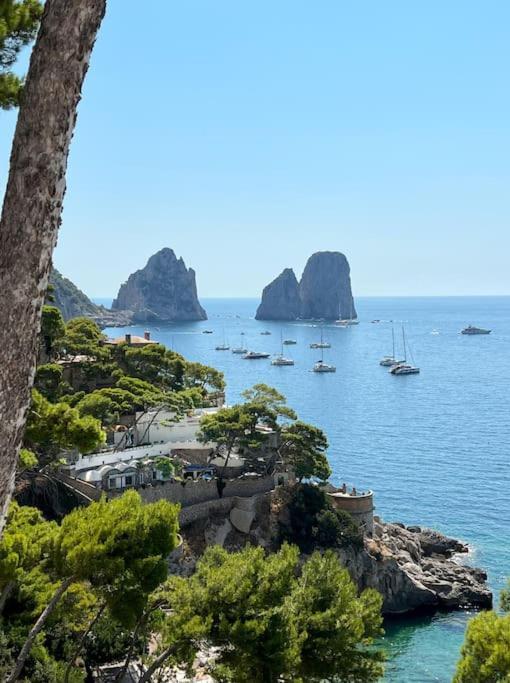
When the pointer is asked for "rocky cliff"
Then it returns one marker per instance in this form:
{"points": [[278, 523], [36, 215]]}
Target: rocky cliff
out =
{"points": [[70, 300], [280, 299], [165, 290], [73, 303], [414, 569], [324, 291], [325, 287]]}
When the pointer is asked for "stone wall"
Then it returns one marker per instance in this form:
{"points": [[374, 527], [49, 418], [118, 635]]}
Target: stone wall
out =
{"points": [[194, 513], [82, 487], [200, 491]]}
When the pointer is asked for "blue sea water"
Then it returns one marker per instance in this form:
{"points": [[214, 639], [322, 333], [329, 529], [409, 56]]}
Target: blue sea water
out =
{"points": [[434, 447]]}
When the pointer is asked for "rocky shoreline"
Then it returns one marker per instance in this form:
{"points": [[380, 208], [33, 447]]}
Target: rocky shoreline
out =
{"points": [[415, 569]]}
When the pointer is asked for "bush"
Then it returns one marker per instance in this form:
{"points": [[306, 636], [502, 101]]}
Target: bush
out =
{"points": [[314, 523]]}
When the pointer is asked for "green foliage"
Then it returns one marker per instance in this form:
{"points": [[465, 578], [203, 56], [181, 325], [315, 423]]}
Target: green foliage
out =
{"points": [[504, 598], [120, 547], [165, 466], [315, 523], [19, 20], [27, 460], [83, 337], [238, 424], [485, 655], [48, 381], [52, 330], [204, 377], [26, 542], [268, 619], [304, 449], [57, 425], [153, 363]]}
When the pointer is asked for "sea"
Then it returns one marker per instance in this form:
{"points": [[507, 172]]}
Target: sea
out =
{"points": [[434, 447]]}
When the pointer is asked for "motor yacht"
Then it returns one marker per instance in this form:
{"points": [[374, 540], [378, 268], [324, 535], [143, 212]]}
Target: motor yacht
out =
{"points": [[253, 355], [471, 330]]}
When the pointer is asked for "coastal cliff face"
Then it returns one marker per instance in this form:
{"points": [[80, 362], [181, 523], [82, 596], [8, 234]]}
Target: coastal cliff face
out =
{"points": [[165, 290], [324, 291], [325, 287], [280, 299], [414, 569], [73, 303], [70, 300]]}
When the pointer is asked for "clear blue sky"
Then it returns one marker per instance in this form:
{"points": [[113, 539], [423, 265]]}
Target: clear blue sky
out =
{"points": [[247, 135]]}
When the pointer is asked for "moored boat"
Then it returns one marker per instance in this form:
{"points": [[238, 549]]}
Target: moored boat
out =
{"points": [[471, 330], [253, 355]]}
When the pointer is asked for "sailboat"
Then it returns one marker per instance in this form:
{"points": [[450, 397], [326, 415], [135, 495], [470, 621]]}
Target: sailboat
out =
{"points": [[403, 367], [389, 361], [241, 349], [224, 346], [280, 359], [322, 344], [321, 366], [347, 322]]}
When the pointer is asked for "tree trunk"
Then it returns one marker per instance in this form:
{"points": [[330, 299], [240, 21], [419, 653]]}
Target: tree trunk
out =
{"points": [[33, 206], [159, 661], [6, 592], [79, 646], [36, 628]]}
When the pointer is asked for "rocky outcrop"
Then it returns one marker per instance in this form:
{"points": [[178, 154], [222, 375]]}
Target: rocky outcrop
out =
{"points": [[325, 287], [324, 291], [280, 299], [73, 303], [165, 290], [70, 300], [416, 570]]}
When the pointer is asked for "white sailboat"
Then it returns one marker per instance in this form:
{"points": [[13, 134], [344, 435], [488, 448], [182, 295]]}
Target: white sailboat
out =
{"points": [[224, 346], [322, 344], [241, 349], [321, 366], [389, 361], [403, 367], [347, 322], [280, 359]]}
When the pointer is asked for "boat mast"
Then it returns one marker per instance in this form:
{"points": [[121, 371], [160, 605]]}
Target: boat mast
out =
{"points": [[393, 339], [404, 340]]}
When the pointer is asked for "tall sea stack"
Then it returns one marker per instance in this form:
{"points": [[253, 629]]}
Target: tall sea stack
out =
{"points": [[323, 293], [325, 287], [165, 291], [280, 299]]}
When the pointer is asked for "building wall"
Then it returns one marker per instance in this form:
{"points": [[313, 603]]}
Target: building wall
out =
{"points": [[360, 507]]}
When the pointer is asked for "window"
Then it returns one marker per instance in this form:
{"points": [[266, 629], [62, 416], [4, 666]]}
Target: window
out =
{"points": [[129, 481]]}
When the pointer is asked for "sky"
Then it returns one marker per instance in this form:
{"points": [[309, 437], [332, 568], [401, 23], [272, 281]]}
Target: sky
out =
{"points": [[248, 135]]}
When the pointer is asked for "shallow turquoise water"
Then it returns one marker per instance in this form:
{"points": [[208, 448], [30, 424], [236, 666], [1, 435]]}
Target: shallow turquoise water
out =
{"points": [[433, 447]]}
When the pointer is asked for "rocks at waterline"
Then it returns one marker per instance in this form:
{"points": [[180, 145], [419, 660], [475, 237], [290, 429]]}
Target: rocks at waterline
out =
{"points": [[416, 570], [280, 299], [324, 291], [163, 291]]}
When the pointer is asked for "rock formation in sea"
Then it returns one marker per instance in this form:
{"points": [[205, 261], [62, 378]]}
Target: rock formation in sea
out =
{"points": [[324, 291], [280, 299], [164, 290], [325, 287]]}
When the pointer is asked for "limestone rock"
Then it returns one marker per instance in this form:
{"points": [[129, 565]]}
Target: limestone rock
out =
{"points": [[280, 299], [70, 300], [325, 287], [165, 290], [415, 571], [324, 291]]}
